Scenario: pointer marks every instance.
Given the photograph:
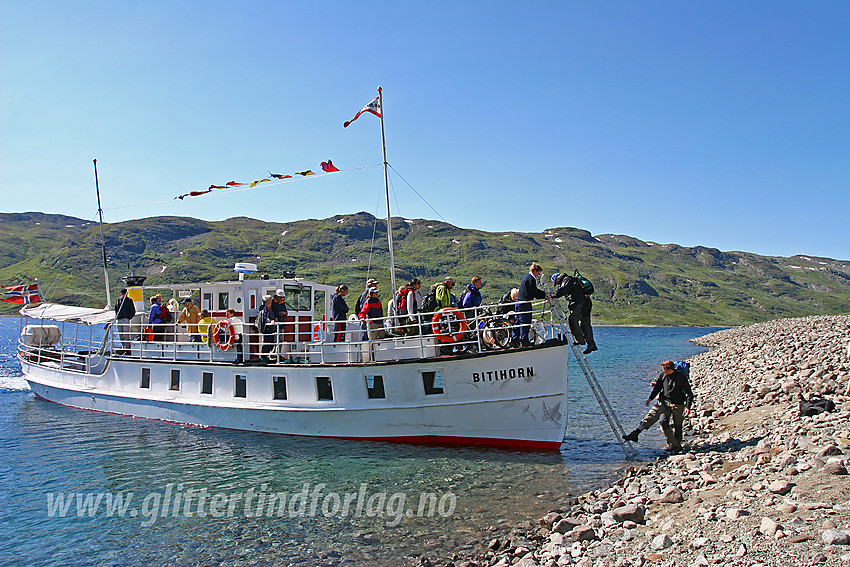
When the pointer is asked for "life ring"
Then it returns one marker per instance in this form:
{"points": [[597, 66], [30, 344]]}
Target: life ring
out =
{"points": [[449, 325], [224, 335]]}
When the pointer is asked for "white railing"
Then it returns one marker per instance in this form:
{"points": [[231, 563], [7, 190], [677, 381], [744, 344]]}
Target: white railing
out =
{"points": [[450, 331]]}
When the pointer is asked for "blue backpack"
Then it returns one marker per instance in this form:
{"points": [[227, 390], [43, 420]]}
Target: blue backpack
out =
{"points": [[683, 367]]}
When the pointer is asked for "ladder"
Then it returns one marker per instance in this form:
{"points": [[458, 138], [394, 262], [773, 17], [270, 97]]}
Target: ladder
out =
{"points": [[561, 318]]}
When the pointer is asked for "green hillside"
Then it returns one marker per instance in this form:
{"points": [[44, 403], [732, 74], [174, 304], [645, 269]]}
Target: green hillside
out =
{"points": [[637, 282]]}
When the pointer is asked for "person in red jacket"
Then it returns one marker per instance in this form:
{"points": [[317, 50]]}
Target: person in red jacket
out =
{"points": [[371, 314]]}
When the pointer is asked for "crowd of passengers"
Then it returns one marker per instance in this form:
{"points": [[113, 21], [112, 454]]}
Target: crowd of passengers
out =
{"points": [[409, 313]]}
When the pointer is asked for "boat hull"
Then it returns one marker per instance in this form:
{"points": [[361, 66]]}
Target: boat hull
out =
{"points": [[515, 399]]}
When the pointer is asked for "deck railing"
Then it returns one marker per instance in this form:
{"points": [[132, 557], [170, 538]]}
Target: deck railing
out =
{"points": [[448, 332]]}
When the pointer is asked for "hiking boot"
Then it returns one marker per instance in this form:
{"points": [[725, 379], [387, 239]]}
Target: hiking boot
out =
{"points": [[590, 349], [633, 436]]}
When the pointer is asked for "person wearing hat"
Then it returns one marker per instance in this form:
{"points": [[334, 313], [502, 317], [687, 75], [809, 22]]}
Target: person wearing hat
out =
{"points": [[580, 306], [370, 283], [279, 305], [444, 292], [124, 312], [371, 314], [190, 315], [267, 325]]}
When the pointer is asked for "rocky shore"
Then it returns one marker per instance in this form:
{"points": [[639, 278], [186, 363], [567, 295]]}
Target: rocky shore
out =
{"points": [[758, 484]]}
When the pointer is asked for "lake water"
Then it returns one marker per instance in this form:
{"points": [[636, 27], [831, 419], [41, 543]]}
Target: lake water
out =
{"points": [[195, 496]]}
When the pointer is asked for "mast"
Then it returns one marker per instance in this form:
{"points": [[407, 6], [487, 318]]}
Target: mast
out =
{"points": [[386, 191], [102, 239]]}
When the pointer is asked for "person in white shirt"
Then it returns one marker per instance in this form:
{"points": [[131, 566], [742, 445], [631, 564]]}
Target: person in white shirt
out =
{"points": [[237, 331]]}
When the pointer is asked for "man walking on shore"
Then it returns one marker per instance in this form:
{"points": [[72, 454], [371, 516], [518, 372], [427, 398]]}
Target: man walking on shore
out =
{"points": [[675, 399]]}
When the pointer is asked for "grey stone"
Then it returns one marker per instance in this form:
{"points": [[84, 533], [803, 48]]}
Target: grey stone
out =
{"points": [[834, 468], [781, 487], [633, 512], [660, 542], [671, 496], [564, 525], [835, 537], [768, 526], [582, 533]]}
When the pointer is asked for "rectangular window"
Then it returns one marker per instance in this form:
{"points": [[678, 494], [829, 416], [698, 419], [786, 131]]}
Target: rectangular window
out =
{"points": [[252, 300], [324, 391], [175, 380], [298, 297], [241, 390], [206, 382], [207, 302], [433, 382], [146, 378], [279, 387], [375, 387], [223, 300]]}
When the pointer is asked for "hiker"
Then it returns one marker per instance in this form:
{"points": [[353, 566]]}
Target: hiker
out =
{"points": [[238, 328], [471, 297], [675, 399], [528, 291], [444, 293], [339, 311], [371, 313], [204, 324], [191, 315], [125, 310], [158, 318], [370, 283], [266, 323], [580, 305], [409, 300]]}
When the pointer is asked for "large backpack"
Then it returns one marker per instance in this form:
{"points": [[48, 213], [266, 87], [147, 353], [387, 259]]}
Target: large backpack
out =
{"points": [[401, 299], [683, 367], [429, 302], [164, 313], [586, 284]]}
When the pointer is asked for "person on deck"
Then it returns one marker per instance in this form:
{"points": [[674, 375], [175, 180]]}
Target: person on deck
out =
{"points": [[580, 306], [204, 324], [675, 399], [190, 314], [238, 327], [409, 301], [371, 313], [339, 312], [370, 283], [266, 323], [158, 318], [528, 291], [471, 297], [124, 313], [444, 292]]}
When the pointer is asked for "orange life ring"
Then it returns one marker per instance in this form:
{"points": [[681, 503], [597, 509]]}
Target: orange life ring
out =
{"points": [[443, 324], [224, 335]]}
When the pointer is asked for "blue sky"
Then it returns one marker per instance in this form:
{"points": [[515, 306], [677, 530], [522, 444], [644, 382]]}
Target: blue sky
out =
{"points": [[723, 124]]}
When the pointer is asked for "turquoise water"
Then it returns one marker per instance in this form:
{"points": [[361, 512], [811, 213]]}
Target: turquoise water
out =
{"points": [[169, 475]]}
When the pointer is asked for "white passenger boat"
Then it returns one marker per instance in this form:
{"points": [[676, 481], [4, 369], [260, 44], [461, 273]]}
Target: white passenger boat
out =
{"points": [[413, 388], [450, 382]]}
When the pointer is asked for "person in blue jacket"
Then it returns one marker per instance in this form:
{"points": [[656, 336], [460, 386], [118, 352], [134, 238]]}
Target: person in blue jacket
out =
{"points": [[528, 291], [471, 297], [339, 312]]}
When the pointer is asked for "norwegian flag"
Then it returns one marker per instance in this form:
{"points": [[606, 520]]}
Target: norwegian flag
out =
{"points": [[25, 294], [374, 107]]}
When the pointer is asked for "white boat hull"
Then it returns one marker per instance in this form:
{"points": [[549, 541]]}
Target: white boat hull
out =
{"points": [[517, 398]]}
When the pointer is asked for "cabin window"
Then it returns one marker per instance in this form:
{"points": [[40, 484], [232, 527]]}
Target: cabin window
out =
{"points": [[175, 380], [206, 383], [223, 300], [146, 378], [324, 391], [375, 387], [241, 390], [279, 387], [298, 297], [433, 382], [207, 302], [252, 300]]}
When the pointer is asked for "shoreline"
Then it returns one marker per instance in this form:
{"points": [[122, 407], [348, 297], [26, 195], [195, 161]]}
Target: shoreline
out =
{"points": [[758, 484]]}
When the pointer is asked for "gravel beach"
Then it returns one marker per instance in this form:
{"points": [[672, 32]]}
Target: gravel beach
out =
{"points": [[757, 485]]}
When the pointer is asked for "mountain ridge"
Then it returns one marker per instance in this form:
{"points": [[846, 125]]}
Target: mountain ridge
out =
{"points": [[637, 282]]}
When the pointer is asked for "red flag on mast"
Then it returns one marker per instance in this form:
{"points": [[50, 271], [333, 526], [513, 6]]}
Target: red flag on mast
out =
{"points": [[374, 107]]}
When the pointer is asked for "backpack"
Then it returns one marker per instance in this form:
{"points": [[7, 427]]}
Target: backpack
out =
{"points": [[586, 284], [815, 406], [429, 302], [164, 313], [401, 299], [683, 367], [262, 321]]}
